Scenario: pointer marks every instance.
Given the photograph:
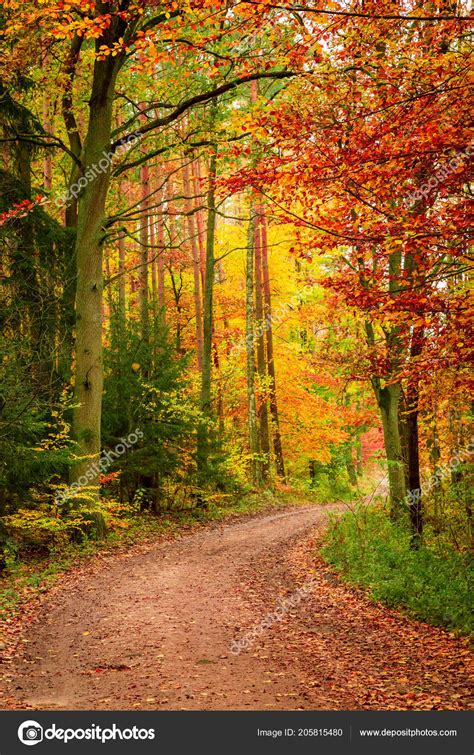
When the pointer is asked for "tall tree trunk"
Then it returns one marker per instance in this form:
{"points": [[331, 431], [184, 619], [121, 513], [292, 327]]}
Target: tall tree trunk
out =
{"points": [[249, 346], [144, 254], [206, 376], [88, 381], [413, 484], [404, 431], [196, 170], [414, 481], [160, 262], [120, 344], [277, 447], [389, 396], [121, 339], [47, 125], [173, 233], [220, 392], [31, 319], [122, 302], [154, 278], [263, 428], [154, 286], [196, 261], [72, 127]]}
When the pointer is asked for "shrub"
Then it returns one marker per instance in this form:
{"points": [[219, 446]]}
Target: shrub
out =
{"points": [[49, 528], [371, 551]]}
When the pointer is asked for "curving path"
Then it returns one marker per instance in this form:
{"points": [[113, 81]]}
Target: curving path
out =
{"points": [[154, 630]]}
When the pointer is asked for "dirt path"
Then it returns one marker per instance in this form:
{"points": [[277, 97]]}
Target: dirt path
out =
{"points": [[155, 631]]}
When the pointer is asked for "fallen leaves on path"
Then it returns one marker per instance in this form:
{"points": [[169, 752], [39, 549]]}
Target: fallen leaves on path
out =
{"points": [[355, 652], [161, 631]]}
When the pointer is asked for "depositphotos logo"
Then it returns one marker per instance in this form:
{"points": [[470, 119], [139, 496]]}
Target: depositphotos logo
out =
{"points": [[31, 733]]}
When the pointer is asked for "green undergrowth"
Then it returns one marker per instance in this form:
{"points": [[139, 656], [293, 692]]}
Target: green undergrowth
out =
{"points": [[25, 578], [433, 583]]}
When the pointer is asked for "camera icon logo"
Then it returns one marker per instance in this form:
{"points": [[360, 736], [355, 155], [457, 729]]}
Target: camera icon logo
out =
{"points": [[30, 733]]}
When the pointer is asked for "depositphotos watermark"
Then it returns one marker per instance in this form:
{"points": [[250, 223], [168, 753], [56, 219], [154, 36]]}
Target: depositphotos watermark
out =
{"points": [[285, 605], [273, 319], [32, 733], [93, 170], [448, 167], [460, 455], [99, 467]]}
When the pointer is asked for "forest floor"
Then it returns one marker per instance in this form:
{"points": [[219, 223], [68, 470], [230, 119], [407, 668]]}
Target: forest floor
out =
{"points": [[154, 627]]}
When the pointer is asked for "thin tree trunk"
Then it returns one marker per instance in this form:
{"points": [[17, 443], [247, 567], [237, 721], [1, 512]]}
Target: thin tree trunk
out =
{"points": [[277, 446], [196, 170], [206, 376], [122, 301], [154, 288], [414, 481], [359, 462], [47, 125], [107, 302], [173, 233], [263, 428], [154, 279], [160, 266], [404, 432], [220, 392], [411, 422], [177, 292], [121, 341], [196, 262], [144, 255], [249, 346]]}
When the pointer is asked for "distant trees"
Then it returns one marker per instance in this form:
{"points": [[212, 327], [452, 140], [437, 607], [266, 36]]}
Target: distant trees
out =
{"points": [[235, 267], [374, 163]]}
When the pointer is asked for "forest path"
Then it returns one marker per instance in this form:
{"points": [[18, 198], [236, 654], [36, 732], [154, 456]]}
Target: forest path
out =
{"points": [[155, 630]]}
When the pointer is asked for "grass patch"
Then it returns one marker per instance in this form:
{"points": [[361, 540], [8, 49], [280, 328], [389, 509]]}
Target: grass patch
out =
{"points": [[433, 584]]}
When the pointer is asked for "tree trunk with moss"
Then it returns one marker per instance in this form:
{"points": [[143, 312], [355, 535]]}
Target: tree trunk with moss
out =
{"points": [[388, 399], [88, 253]]}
